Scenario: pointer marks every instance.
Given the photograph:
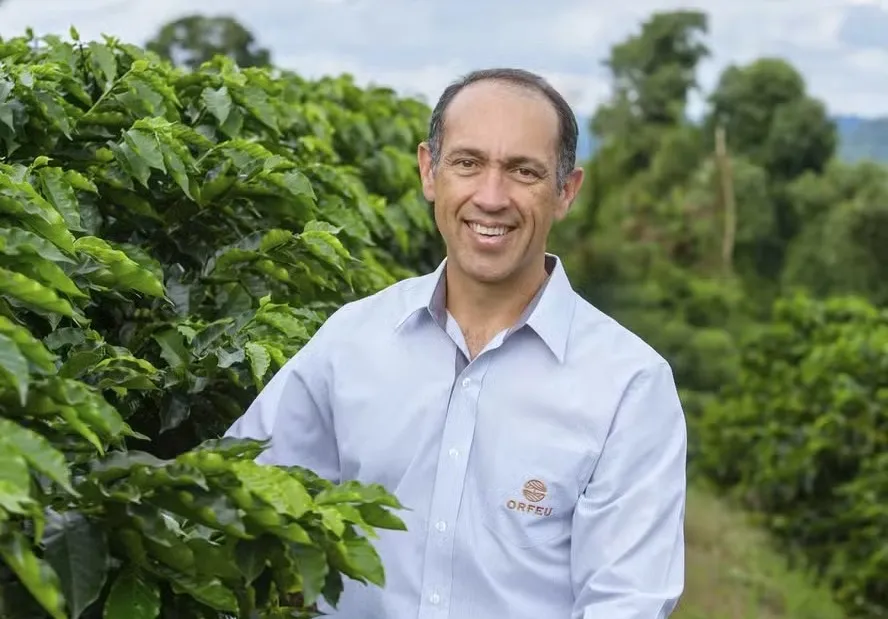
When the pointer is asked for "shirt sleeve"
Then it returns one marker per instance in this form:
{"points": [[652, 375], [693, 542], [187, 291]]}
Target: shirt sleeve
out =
{"points": [[293, 412], [627, 557]]}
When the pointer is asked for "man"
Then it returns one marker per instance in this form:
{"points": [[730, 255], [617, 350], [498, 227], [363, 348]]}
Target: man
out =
{"points": [[539, 446]]}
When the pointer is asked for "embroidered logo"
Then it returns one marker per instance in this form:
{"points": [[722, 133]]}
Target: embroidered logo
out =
{"points": [[535, 491]]}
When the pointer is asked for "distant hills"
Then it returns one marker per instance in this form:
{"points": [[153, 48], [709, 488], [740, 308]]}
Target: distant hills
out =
{"points": [[859, 138], [863, 138]]}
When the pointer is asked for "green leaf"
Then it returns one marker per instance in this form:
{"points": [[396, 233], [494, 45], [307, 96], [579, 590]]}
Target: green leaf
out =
{"points": [[104, 63], [77, 550], [208, 591], [126, 272], [32, 348], [313, 568], [14, 367], [146, 147], [377, 516], [364, 560], [259, 361], [49, 274], [37, 451], [177, 170], [274, 239], [325, 246], [18, 242], [354, 492], [274, 486], [61, 195], [80, 182], [332, 519], [258, 104], [132, 163], [295, 182], [172, 347], [133, 596], [15, 483], [37, 575], [218, 103], [33, 293], [251, 556]]}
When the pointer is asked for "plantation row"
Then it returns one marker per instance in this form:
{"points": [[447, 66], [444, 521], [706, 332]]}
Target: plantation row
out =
{"points": [[167, 241], [802, 437]]}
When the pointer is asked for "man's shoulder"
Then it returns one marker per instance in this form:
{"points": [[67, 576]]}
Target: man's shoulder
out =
{"points": [[601, 335], [385, 307]]}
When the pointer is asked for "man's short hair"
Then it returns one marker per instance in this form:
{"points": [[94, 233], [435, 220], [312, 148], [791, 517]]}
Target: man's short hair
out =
{"points": [[567, 139]]}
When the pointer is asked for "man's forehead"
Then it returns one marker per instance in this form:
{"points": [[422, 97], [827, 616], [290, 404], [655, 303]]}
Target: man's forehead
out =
{"points": [[505, 117]]}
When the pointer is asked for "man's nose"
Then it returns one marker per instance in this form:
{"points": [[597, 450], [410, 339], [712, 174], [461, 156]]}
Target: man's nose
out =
{"points": [[492, 191]]}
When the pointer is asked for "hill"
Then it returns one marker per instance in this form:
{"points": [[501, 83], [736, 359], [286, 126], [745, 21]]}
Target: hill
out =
{"points": [[859, 138], [863, 138]]}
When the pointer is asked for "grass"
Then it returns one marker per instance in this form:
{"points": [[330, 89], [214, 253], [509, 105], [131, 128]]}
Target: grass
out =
{"points": [[733, 573]]}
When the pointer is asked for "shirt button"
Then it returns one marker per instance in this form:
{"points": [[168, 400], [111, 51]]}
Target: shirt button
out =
{"points": [[453, 452], [466, 381], [441, 526], [434, 598]]}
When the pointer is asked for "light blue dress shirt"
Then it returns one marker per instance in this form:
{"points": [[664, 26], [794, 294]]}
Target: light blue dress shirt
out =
{"points": [[545, 478]]}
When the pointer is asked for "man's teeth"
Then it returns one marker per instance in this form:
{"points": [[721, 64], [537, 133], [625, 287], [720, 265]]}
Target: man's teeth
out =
{"points": [[488, 231]]}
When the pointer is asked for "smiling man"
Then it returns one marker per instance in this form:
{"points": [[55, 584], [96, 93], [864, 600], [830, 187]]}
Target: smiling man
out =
{"points": [[539, 445]]}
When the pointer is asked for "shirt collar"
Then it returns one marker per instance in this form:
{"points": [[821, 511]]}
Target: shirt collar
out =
{"points": [[549, 314]]}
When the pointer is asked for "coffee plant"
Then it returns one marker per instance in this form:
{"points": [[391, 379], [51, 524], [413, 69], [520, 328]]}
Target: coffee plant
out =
{"points": [[803, 438], [168, 239]]}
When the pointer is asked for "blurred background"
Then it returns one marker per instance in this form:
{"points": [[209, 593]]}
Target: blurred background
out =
{"points": [[735, 215]]}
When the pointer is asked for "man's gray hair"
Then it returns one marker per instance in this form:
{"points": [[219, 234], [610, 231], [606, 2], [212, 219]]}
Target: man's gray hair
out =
{"points": [[567, 139]]}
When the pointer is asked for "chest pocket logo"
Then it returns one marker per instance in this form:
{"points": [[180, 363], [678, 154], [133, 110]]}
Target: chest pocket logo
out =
{"points": [[532, 512], [534, 491]]}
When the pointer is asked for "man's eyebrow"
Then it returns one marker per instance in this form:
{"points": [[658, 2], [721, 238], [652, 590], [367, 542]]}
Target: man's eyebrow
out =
{"points": [[465, 152], [509, 161]]}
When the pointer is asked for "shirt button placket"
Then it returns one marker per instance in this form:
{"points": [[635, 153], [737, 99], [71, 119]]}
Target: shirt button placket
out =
{"points": [[459, 429]]}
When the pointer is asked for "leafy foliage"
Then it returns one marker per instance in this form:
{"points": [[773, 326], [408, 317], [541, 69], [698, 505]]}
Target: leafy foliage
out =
{"points": [[843, 247], [803, 436], [168, 239]]}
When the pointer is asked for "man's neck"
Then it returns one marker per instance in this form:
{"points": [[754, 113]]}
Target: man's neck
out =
{"points": [[483, 310]]}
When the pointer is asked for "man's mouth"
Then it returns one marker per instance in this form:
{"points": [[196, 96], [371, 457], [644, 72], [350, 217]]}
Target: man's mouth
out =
{"points": [[489, 231]]}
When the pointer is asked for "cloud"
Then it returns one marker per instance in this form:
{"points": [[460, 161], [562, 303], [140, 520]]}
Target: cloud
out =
{"points": [[419, 46], [864, 25]]}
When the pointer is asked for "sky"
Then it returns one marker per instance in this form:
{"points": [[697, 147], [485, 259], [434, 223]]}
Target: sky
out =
{"points": [[418, 46]]}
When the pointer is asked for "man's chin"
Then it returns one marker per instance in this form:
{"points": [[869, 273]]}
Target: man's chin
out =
{"points": [[488, 271]]}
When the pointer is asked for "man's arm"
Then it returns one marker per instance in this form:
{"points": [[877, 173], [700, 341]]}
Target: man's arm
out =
{"points": [[293, 412], [628, 531]]}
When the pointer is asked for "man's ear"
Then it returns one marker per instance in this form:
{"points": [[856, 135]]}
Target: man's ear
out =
{"points": [[569, 193], [426, 174]]}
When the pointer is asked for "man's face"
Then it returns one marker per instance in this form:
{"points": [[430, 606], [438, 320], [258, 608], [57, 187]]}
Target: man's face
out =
{"points": [[495, 189]]}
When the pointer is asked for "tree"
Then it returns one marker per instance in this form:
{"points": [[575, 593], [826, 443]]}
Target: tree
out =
{"points": [[843, 246], [769, 117], [652, 74], [772, 122], [195, 39]]}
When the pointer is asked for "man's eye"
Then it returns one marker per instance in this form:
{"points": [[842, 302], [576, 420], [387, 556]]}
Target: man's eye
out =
{"points": [[527, 172]]}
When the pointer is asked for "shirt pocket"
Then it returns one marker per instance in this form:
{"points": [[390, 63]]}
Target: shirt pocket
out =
{"points": [[532, 492]]}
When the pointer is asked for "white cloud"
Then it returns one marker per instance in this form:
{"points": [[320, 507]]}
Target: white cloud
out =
{"points": [[418, 46]]}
